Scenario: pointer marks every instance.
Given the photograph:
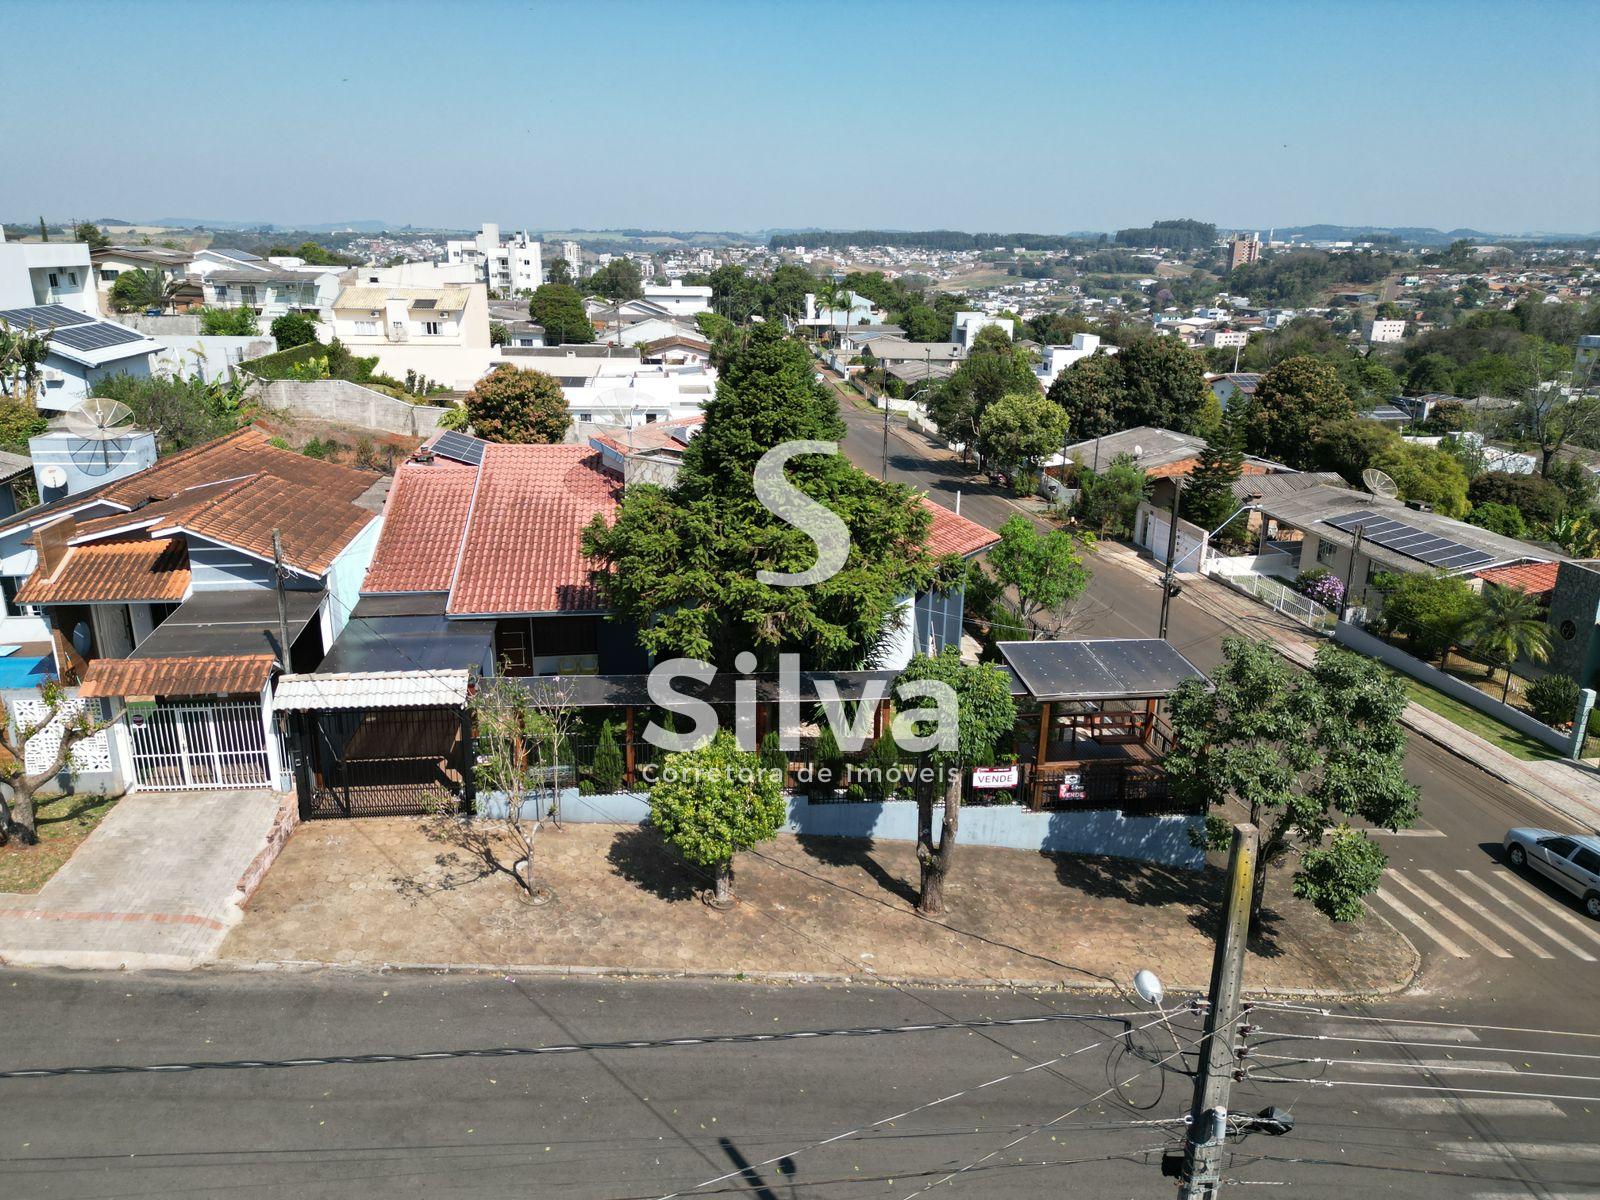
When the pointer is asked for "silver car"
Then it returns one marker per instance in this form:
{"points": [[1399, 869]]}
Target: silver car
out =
{"points": [[1572, 860]]}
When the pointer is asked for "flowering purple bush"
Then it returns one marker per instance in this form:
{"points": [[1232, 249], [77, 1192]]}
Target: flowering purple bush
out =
{"points": [[1327, 591]]}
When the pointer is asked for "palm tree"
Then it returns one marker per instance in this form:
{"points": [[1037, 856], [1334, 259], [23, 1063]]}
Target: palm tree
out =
{"points": [[1510, 625], [831, 296]]}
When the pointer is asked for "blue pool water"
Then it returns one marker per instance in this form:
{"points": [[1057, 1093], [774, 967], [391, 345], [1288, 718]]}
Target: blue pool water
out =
{"points": [[25, 671]]}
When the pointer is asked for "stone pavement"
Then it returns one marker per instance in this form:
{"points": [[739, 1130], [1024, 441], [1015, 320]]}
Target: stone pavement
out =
{"points": [[156, 885], [1571, 789], [383, 891]]}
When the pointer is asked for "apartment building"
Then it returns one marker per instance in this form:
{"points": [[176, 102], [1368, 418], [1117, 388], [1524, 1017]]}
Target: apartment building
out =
{"points": [[43, 273], [507, 266]]}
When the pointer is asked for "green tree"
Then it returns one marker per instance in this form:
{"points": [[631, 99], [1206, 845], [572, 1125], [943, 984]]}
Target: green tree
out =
{"points": [[19, 421], [1540, 501], [17, 811], [1433, 611], [1021, 430], [558, 309], [1426, 474], [512, 405], [293, 329], [22, 357], [88, 231], [713, 802], [1293, 401], [1044, 570], [986, 716], [1163, 384], [984, 376], [1302, 754], [1208, 498], [618, 280], [1499, 518], [1509, 625], [607, 768], [1108, 500], [682, 564], [499, 335], [559, 272], [1090, 392], [137, 290], [180, 411], [229, 322]]}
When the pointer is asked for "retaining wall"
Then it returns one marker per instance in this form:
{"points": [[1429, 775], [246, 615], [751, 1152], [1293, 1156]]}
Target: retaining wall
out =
{"points": [[1147, 839], [346, 403]]}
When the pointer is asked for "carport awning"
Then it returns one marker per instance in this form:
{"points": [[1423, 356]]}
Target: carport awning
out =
{"points": [[1099, 668], [238, 674], [371, 689]]}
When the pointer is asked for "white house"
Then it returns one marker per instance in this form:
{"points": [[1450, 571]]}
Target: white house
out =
{"points": [[206, 261], [678, 298], [1384, 331], [1225, 339], [1056, 359], [382, 315], [861, 311], [82, 350], [273, 291], [964, 327], [38, 273], [171, 265]]}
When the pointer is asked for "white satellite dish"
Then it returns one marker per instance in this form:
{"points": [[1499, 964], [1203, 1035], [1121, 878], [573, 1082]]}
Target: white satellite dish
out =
{"points": [[1379, 483], [53, 476], [102, 426]]}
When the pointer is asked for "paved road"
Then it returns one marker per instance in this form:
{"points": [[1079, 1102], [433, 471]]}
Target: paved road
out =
{"points": [[650, 1121], [1484, 932]]}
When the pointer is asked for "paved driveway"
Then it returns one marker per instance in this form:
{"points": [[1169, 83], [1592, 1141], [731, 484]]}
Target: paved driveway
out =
{"points": [[155, 885]]}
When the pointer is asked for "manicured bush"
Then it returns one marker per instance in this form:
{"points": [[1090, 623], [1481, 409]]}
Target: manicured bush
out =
{"points": [[1553, 699], [294, 329], [607, 770]]}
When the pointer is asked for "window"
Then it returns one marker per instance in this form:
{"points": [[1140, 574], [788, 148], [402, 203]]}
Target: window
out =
{"points": [[247, 293], [1326, 552], [108, 275], [431, 328], [367, 328], [55, 281], [1587, 860], [1560, 847], [72, 277]]}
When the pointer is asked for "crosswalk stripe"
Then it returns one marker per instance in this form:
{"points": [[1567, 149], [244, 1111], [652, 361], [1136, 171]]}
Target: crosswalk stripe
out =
{"points": [[1422, 924], [1568, 1151], [1475, 1066], [1510, 931], [1399, 1033], [1481, 1106], [1582, 924], [1448, 914], [1565, 943]]}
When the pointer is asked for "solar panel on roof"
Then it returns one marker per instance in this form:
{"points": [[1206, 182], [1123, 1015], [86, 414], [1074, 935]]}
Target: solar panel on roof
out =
{"points": [[423, 303], [460, 447], [1410, 541], [95, 336], [44, 316]]}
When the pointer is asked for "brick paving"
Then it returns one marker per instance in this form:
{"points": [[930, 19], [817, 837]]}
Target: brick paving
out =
{"points": [[155, 885], [382, 891]]}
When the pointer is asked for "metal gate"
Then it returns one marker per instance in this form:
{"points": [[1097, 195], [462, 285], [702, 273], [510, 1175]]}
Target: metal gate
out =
{"points": [[221, 744], [380, 761]]}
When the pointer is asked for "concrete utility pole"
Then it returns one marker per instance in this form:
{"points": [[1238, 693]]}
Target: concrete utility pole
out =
{"points": [[1350, 574], [1208, 1118], [283, 601], [1172, 550], [884, 396]]}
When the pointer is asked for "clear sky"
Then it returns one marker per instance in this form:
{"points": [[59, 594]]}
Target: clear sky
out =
{"points": [[1041, 117]]}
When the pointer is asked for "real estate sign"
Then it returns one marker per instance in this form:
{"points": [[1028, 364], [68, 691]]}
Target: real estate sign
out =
{"points": [[988, 778]]}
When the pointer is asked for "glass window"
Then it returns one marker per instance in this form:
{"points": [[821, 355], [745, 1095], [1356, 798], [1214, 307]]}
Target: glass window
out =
{"points": [[1561, 847], [1587, 860]]}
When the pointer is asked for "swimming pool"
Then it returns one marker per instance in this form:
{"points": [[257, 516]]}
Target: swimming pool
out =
{"points": [[25, 670]]}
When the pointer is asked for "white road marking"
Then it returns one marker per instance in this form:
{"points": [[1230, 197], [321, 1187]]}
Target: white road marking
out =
{"points": [[1422, 924], [1569, 1151], [1400, 1033], [1582, 924], [1475, 1066], [1448, 914], [1405, 833], [1482, 1106], [1566, 944], [1510, 931]]}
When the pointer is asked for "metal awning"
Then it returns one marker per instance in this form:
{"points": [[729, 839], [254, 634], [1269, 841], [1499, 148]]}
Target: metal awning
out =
{"points": [[223, 623], [1099, 668], [371, 689]]}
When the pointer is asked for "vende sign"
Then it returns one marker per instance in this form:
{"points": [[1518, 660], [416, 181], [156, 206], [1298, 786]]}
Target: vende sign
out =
{"points": [[988, 778]]}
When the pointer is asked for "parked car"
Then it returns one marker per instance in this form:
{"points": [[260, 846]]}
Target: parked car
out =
{"points": [[1572, 860]]}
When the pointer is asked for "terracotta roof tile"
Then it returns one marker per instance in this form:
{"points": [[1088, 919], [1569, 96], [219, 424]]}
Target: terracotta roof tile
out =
{"points": [[1533, 578], [522, 552], [109, 571], [235, 674], [952, 533], [424, 519], [314, 524]]}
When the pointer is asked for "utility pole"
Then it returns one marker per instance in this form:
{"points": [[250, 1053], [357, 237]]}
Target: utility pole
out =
{"points": [[884, 396], [1172, 551], [283, 601], [1350, 574], [1208, 1118]]}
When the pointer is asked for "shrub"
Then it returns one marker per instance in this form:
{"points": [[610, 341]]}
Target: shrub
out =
{"points": [[773, 755], [229, 322], [883, 760], [1327, 591], [829, 773], [1553, 699], [293, 329], [1305, 579], [607, 770]]}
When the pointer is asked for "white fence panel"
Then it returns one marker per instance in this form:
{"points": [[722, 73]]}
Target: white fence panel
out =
{"points": [[91, 754], [200, 745]]}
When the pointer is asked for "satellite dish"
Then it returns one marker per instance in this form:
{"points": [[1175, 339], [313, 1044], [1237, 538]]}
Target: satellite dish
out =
{"points": [[1379, 483], [102, 427], [53, 476]]}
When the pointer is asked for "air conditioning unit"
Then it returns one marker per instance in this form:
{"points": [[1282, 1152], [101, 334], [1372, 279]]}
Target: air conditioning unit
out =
{"points": [[53, 375]]}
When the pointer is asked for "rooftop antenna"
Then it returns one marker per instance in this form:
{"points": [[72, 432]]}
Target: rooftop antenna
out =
{"points": [[102, 426], [1380, 484]]}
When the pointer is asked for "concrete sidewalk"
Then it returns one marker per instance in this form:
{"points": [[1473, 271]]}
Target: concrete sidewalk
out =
{"points": [[1569, 788], [157, 885]]}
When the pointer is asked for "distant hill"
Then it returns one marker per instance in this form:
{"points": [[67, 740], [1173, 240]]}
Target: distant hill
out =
{"points": [[367, 226], [1412, 234]]}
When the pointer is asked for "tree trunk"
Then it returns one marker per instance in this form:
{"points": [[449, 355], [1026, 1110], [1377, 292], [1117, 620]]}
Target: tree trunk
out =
{"points": [[935, 862], [722, 884], [17, 817], [1506, 692]]}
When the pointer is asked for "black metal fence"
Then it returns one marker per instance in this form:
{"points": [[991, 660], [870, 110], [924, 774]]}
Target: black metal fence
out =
{"points": [[379, 762]]}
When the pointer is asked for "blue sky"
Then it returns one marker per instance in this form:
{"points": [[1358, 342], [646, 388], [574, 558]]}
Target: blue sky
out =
{"points": [[1042, 117]]}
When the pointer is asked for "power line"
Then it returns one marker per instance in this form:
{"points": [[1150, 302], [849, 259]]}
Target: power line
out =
{"points": [[1422, 1087], [900, 1116], [1338, 1016], [1458, 1046], [1488, 1067]]}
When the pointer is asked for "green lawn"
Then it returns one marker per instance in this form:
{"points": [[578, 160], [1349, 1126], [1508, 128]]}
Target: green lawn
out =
{"points": [[1510, 740], [63, 822]]}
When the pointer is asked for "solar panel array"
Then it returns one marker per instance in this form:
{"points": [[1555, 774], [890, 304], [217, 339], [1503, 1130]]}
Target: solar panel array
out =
{"points": [[95, 336], [460, 447], [45, 316], [1414, 543]]}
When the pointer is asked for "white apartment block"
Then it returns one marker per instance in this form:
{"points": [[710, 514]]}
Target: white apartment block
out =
{"points": [[40, 273], [385, 315], [573, 253], [964, 327], [1056, 359], [507, 266], [1226, 339], [679, 300], [1381, 331]]}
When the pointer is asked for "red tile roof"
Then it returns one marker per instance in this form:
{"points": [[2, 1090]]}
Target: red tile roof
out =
{"points": [[424, 519], [951, 533], [314, 524], [239, 673], [522, 549], [138, 570], [1533, 578]]}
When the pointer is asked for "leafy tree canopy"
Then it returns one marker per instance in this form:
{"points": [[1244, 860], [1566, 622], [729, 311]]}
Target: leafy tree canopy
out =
{"points": [[558, 309], [1293, 401], [229, 322], [1021, 430], [294, 329], [512, 405]]}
